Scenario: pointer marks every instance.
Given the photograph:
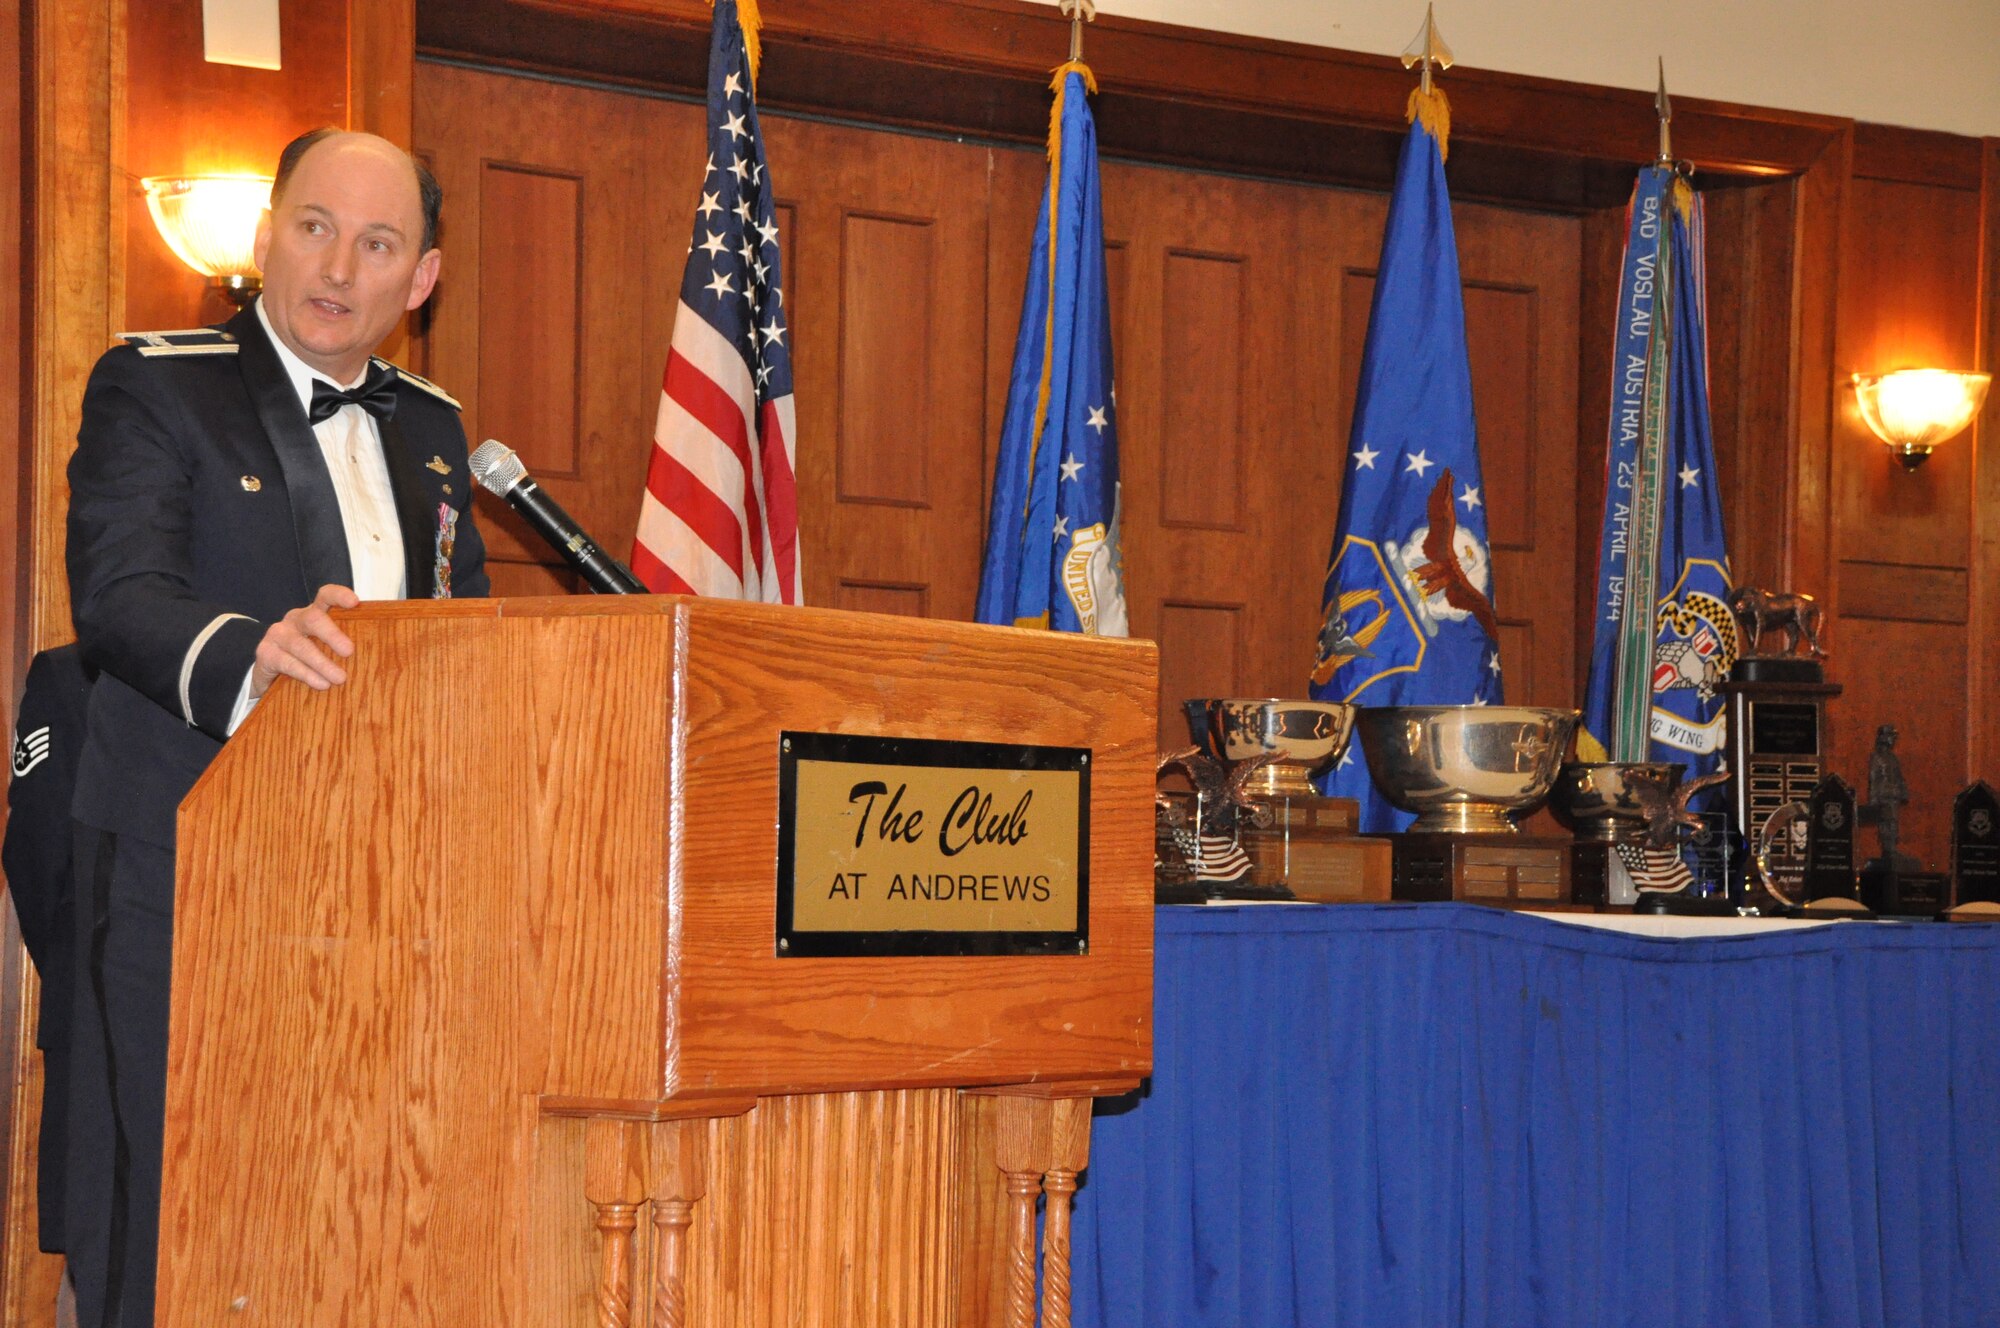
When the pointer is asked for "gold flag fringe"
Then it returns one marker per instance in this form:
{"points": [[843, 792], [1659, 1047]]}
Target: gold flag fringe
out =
{"points": [[1684, 199], [1059, 84], [1434, 112], [751, 21]]}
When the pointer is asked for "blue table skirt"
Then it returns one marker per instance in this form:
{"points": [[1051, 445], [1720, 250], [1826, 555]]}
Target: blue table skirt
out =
{"points": [[1441, 1115]]}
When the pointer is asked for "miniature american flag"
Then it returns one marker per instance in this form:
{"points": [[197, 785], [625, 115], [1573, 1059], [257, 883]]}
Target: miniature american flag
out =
{"points": [[720, 511]]}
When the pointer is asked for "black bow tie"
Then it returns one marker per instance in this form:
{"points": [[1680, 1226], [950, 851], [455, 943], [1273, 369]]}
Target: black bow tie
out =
{"points": [[376, 395]]}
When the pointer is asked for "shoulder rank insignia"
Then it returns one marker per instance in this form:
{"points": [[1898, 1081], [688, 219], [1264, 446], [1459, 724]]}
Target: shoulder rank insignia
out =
{"points": [[30, 750], [187, 341], [437, 464], [423, 384]]}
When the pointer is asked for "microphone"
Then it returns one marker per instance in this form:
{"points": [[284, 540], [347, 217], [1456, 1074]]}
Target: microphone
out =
{"points": [[495, 465]]}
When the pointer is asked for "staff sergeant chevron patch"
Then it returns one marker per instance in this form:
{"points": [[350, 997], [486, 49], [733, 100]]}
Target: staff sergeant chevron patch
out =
{"points": [[30, 750]]}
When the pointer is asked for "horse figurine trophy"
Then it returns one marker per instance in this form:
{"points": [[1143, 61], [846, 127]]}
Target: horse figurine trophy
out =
{"points": [[1777, 724]]}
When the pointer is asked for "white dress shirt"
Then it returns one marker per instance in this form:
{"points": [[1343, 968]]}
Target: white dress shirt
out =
{"points": [[352, 446]]}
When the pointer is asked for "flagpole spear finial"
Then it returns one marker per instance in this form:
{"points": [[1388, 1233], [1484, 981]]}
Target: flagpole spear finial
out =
{"points": [[1663, 106], [1428, 49], [1078, 12]]}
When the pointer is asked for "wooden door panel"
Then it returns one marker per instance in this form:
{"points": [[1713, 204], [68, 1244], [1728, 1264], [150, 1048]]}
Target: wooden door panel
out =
{"points": [[888, 293], [1209, 403], [567, 212]]}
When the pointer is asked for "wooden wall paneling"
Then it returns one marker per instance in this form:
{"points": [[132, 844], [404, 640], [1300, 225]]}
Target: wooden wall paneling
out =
{"points": [[381, 67], [1212, 458], [77, 52], [1909, 297], [1204, 314], [1751, 244], [1819, 221], [190, 117], [531, 276], [1521, 307], [887, 338], [567, 216], [887, 283], [16, 450], [1171, 94], [19, 1006], [1983, 738]]}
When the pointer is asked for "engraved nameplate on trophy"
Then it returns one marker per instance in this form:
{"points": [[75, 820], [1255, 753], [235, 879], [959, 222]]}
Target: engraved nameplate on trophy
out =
{"points": [[1829, 849], [1975, 852], [1484, 869], [1775, 749]]}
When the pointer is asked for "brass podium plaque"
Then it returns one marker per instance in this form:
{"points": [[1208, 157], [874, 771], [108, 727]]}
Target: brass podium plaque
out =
{"points": [[914, 846]]}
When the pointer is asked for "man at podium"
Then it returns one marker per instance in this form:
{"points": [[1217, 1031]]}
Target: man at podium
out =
{"points": [[230, 486]]}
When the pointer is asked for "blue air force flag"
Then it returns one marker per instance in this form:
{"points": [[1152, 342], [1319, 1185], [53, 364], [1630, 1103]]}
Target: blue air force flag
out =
{"points": [[1407, 610], [1663, 635], [1052, 550]]}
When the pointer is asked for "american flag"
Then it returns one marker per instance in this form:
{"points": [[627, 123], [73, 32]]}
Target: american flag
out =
{"points": [[720, 512]]}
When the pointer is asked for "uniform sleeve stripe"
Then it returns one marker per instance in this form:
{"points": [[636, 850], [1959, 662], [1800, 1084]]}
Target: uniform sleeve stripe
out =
{"points": [[187, 662]]}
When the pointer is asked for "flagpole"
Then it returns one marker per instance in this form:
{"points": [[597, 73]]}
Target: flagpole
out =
{"points": [[1427, 101], [1078, 12], [1663, 106], [1632, 736]]}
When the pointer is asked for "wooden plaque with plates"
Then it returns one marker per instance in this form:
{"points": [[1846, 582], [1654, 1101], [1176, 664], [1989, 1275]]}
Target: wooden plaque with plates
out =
{"points": [[1313, 847], [1482, 869]]}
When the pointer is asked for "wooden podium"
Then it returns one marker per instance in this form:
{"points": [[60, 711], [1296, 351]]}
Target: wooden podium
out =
{"points": [[478, 1016]]}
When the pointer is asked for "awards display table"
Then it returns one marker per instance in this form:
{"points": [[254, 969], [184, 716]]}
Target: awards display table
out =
{"points": [[1444, 1115]]}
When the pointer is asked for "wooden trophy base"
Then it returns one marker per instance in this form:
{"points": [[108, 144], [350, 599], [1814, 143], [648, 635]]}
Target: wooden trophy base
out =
{"points": [[1590, 871], [1482, 869], [1311, 847]]}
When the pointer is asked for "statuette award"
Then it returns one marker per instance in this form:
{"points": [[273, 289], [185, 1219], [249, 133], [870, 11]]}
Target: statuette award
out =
{"points": [[1894, 882]]}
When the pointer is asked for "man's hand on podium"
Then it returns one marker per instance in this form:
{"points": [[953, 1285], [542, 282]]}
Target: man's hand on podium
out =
{"points": [[292, 645]]}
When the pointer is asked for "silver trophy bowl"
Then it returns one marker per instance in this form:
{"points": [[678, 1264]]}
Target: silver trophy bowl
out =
{"points": [[1465, 769], [1597, 798], [1305, 736]]}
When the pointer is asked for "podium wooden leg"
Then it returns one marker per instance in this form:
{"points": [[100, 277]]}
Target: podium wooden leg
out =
{"points": [[677, 1177], [1059, 1186], [1040, 1144], [616, 1223], [1069, 1152], [671, 1218], [1022, 1187], [614, 1183]]}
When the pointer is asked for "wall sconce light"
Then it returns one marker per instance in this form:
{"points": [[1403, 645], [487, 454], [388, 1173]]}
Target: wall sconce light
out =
{"points": [[210, 222], [1913, 410]]}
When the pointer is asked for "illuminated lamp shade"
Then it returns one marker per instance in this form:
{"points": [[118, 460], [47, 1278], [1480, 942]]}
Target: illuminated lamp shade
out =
{"points": [[210, 222], [1913, 410]]}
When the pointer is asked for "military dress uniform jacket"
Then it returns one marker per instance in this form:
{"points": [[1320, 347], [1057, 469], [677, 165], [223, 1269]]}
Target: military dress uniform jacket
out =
{"points": [[48, 731], [201, 511]]}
